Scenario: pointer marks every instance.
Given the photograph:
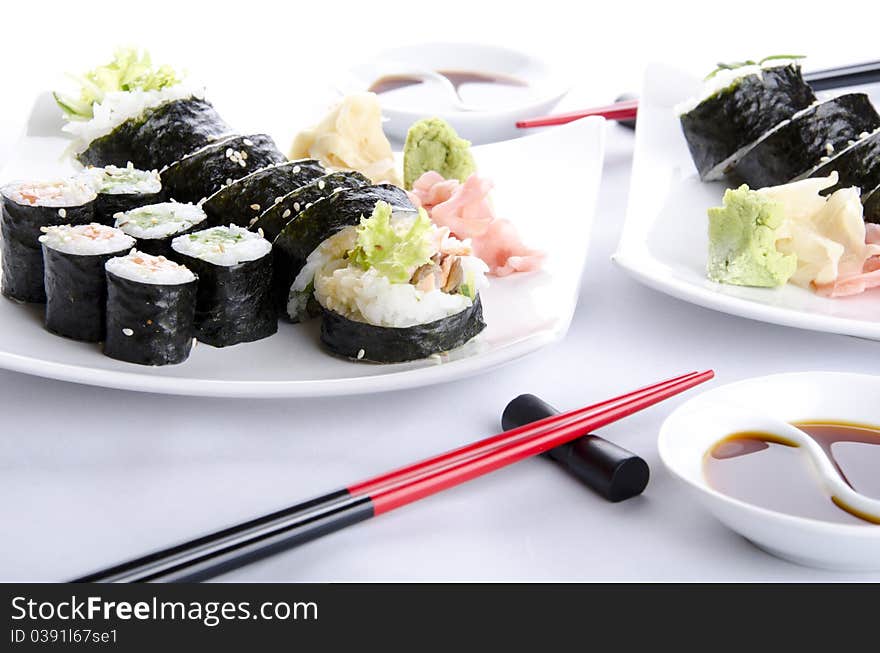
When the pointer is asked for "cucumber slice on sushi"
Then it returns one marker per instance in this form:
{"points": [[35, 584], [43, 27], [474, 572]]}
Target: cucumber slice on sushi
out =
{"points": [[76, 288], [245, 198], [122, 189], [394, 288], [156, 137], [857, 165], [794, 147], [203, 172], [234, 266], [151, 306], [154, 226], [275, 218], [736, 108], [27, 208], [324, 218]]}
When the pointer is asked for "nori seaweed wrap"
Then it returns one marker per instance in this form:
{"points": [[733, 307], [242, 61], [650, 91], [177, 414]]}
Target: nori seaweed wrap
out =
{"points": [[245, 198], [203, 172], [722, 125], [365, 342], [234, 266], [796, 146], [155, 226], [871, 201], [151, 304], [276, 217], [159, 136], [76, 288], [27, 208], [857, 165], [122, 189], [317, 223]]}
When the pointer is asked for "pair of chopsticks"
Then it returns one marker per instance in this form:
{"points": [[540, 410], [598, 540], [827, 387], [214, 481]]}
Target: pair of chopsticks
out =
{"points": [[820, 80], [238, 545]]}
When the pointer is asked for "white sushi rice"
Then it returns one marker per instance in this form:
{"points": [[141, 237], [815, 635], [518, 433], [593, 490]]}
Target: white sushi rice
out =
{"points": [[111, 180], [85, 239], [119, 106], [223, 245], [155, 221], [145, 268], [724, 79], [59, 192]]}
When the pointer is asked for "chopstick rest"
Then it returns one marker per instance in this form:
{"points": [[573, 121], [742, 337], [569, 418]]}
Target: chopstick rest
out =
{"points": [[612, 471]]}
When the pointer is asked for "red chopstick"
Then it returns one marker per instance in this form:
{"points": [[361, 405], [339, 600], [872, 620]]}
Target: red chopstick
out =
{"points": [[625, 110], [238, 545]]}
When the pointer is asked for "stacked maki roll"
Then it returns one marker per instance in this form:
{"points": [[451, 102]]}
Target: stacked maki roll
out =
{"points": [[122, 189], [155, 226], [28, 207], [151, 304], [234, 266], [76, 290], [393, 288]]}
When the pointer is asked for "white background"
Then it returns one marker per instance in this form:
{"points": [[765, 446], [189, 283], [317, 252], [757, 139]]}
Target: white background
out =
{"points": [[91, 476]]}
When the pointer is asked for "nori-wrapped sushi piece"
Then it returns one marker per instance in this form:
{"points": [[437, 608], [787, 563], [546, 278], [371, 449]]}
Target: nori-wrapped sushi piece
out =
{"points": [[203, 172], [871, 202], [721, 126], [233, 304], [796, 146], [76, 288], [320, 221], [149, 323], [123, 189], [276, 217], [22, 220], [366, 342], [247, 197], [857, 165], [159, 136], [155, 226]]}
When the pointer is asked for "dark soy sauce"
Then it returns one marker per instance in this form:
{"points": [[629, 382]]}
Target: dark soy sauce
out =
{"points": [[458, 78], [768, 471]]}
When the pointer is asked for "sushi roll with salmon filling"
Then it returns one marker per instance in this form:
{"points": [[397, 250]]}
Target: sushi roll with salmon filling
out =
{"points": [[151, 306], [234, 266], [122, 189], [393, 288], [76, 290], [28, 207], [156, 225]]}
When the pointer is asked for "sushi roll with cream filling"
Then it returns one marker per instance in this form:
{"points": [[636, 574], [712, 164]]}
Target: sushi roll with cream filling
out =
{"points": [[151, 305], [154, 226], [393, 288], [76, 289], [122, 189], [27, 208], [234, 266], [736, 106]]}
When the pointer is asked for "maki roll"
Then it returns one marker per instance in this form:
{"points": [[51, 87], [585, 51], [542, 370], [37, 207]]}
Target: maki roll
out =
{"points": [[856, 165], [155, 137], [245, 198], [736, 107], [275, 218], [154, 226], [122, 189], [871, 202], [794, 147], [394, 288], [203, 172], [234, 266], [27, 208], [151, 305], [302, 236], [76, 290]]}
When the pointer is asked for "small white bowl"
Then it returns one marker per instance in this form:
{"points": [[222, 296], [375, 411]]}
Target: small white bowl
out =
{"points": [[693, 428], [546, 88]]}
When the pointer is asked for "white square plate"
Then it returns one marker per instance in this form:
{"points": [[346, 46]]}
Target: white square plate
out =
{"points": [[665, 241], [523, 312]]}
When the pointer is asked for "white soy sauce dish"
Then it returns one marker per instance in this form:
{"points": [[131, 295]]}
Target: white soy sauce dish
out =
{"points": [[769, 404], [509, 86]]}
